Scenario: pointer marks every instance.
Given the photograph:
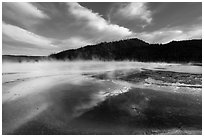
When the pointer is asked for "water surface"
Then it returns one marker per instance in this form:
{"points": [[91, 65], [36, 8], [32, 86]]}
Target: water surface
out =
{"points": [[101, 98]]}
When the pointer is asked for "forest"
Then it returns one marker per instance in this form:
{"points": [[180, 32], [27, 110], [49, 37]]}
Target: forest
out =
{"points": [[136, 50]]}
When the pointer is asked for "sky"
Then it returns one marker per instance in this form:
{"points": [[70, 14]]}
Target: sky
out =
{"points": [[46, 28]]}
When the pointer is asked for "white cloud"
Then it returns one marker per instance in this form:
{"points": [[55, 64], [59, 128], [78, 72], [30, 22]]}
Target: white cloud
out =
{"points": [[23, 13], [26, 8], [166, 35], [73, 43], [21, 35], [17, 49], [98, 25], [135, 10]]}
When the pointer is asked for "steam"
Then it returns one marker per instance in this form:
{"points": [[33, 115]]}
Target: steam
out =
{"points": [[61, 89]]}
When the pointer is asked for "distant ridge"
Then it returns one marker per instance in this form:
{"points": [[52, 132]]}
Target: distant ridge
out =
{"points": [[22, 58], [137, 50], [129, 49]]}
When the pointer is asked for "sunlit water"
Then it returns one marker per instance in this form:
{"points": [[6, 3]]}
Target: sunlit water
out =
{"points": [[53, 94]]}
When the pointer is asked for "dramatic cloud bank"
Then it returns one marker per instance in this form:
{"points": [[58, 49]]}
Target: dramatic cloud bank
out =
{"points": [[100, 27], [44, 28], [19, 34]]}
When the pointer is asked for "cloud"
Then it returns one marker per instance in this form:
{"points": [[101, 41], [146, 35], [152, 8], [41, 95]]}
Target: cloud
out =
{"points": [[23, 13], [73, 43], [80, 27], [166, 35], [70, 25], [135, 11], [22, 35], [19, 48], [95, 24]]}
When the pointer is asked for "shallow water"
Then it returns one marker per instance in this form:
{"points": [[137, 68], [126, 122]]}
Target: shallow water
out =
{"points": [[65, 98]]}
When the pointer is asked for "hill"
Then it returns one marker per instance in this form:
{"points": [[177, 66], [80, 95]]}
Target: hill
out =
{"points": [[136, 50]]}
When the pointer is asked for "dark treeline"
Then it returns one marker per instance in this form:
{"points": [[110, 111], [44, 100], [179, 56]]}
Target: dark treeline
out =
{"points": [[22, 58], [137, 50]]}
